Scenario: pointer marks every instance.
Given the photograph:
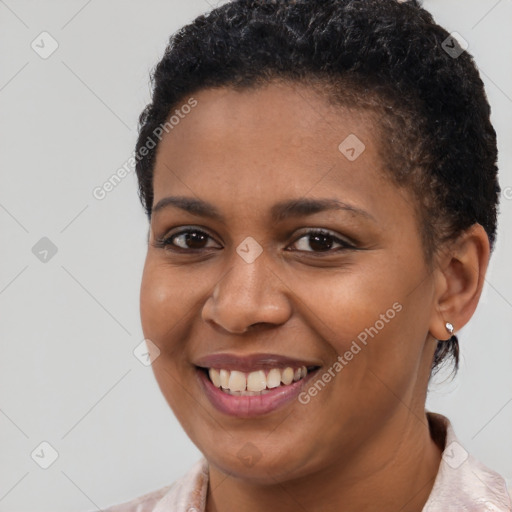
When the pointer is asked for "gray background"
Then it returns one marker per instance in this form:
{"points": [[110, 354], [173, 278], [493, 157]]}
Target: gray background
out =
{"points": [[69, 325]]}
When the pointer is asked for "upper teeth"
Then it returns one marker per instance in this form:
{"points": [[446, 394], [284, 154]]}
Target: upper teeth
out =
{"points": [[259, 380]]}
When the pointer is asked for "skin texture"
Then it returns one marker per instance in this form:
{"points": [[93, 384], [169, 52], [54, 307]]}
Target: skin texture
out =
{"points": [[362, 443]]}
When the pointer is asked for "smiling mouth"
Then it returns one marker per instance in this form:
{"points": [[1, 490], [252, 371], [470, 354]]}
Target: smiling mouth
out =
{"points": [[259, 382]]}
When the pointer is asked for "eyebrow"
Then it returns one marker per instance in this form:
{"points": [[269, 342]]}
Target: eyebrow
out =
{"points": [[280, 211]]}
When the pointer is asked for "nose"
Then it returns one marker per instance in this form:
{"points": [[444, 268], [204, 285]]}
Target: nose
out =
{"points": [[249, 294]]}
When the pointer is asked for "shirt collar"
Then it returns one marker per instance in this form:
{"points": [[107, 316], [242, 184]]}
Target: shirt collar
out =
{"points": [[463, 483]]}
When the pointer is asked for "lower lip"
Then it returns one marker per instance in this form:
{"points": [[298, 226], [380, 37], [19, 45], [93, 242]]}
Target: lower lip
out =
{"points": [[250, 406]]}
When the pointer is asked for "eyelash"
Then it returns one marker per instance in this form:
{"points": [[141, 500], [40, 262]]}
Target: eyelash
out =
{"points": [[167, 242]]}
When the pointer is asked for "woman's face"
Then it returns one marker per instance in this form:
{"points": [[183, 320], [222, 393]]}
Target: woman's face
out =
{"points": [[251, 289]]}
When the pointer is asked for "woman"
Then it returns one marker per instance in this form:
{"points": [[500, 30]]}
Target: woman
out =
{"points": [[321, 185]]}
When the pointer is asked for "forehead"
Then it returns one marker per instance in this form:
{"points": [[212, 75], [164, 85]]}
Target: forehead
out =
{"points": [[278, 116], [278, 140]]}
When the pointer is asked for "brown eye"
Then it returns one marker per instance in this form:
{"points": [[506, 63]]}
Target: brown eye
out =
{"points": [[320, 241], [190, 239], [193, 239]]}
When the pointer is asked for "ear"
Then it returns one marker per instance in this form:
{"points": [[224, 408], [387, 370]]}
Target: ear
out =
{"points": [[459, 281]]}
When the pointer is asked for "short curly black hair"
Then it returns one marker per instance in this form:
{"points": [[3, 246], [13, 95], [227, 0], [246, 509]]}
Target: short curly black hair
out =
{"points": [[385, 56]]}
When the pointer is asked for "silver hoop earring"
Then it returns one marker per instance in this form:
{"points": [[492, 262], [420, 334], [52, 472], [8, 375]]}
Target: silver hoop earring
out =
{"points": [[449, 327]]}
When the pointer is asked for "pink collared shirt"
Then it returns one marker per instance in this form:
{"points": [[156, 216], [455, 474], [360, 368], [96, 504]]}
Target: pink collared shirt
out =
{"points": [[463, 484]]}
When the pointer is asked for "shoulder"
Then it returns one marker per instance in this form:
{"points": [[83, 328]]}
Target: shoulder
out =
{"points": [[144, 503], [463, 482], [188, 491]]}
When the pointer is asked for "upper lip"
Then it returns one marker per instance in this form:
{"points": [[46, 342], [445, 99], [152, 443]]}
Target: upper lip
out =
{"points": [[251, 362]]}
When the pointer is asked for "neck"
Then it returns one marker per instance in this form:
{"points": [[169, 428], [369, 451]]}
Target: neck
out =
{"points": [[386, 475]]}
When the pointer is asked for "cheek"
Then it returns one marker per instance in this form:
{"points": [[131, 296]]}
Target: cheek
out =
{"points": [[164, 305], [344, 305], [370, 320], [163, 301], [171, 302]]}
